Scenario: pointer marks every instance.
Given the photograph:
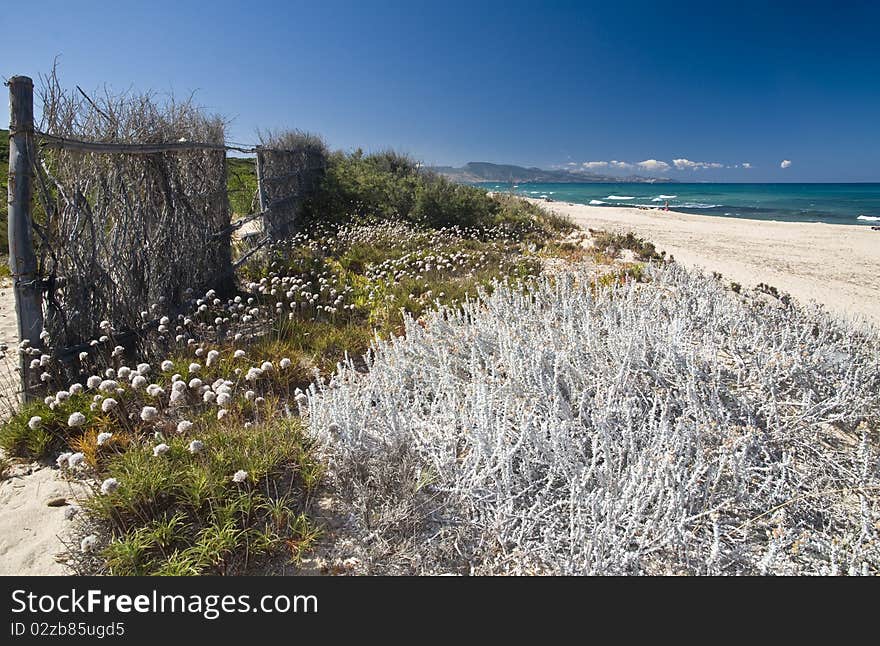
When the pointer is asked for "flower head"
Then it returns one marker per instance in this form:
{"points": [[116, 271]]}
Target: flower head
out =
{"points": [[76, 419], [109, 486], [103, 438], [160, 449], [75, 460], [89, 543], [108, 404], [149, 413], [196, 446], [35, 422], [183, 426], [240, 476]]}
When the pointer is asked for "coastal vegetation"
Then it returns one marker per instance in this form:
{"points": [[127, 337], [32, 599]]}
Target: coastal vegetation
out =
{"points": [[200, 460], [466, 384]]}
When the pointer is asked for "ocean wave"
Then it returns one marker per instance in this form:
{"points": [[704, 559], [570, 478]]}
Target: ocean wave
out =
{"points": [[868, 218], [597, 202], [697, 205], [667, 197], [620, 197]]}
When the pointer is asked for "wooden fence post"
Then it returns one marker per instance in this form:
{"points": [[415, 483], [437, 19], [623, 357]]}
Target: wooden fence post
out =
{"points": [[22, 259], [261, 193]]}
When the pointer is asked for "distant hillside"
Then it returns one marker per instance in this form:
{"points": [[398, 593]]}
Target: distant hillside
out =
{"points": [[474, 172]]}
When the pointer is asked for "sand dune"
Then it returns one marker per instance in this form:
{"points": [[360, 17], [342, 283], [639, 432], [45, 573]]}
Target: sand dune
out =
{"points": [[835, 265]]}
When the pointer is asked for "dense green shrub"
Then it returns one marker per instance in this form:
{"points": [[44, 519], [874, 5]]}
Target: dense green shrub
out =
{"points": [[388, 185]]}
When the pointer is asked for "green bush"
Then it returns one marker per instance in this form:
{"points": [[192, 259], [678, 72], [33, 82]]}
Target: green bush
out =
{"points": [[241, 184], [391, 186]]}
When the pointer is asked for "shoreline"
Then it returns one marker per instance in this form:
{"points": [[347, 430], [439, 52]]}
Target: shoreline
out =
{"points": [[836, 265]]}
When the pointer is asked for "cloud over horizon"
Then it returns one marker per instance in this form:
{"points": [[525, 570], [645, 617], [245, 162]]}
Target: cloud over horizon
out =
{"points": [[785, 163], [654, 165], [660, 166], [687, 164]]}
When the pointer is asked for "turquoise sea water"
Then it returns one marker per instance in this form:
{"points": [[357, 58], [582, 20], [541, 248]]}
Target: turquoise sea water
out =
{"points": [[831, 203]]}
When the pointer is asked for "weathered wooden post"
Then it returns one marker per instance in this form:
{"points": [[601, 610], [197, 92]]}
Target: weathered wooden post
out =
{"points": [[261, 193], [22, 259]]}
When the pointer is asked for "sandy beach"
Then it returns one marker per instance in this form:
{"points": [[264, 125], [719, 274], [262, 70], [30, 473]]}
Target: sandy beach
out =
{"points": [[30, 528], [835, 265]]}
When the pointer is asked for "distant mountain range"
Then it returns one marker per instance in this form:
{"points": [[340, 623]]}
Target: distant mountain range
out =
{"points": [[475, 172]]}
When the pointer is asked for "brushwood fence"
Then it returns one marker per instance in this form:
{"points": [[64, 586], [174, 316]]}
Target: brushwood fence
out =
{"points": [[131, 211]]}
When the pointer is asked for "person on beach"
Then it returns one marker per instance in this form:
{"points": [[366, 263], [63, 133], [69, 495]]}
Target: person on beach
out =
{"points": [[666, 208]]}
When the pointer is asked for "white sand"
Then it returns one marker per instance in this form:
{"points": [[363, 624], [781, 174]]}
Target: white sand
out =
{"points": [[29, 528], [835, 265]]}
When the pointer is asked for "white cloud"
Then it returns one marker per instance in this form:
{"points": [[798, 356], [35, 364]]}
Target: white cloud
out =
{"points": [[654, 165], [785, 163], [591, 165], [687, 164], [746, 165], [621, 164]]}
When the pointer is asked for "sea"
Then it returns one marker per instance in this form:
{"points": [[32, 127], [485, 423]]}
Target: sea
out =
{"points": [[857, 204]]}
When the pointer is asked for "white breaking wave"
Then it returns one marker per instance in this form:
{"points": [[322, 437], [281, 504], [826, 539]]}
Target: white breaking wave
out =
{"points": [[697, 205], [868, 218], [597, 202], [620, 197], [667, 197]]}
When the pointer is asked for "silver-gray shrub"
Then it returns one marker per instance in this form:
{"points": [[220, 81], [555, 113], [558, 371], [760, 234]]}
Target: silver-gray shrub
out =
{"points": [[668, 427]]}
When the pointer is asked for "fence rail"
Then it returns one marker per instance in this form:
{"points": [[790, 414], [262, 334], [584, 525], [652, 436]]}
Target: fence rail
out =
{"points": [[65, 143], [129, 223]]}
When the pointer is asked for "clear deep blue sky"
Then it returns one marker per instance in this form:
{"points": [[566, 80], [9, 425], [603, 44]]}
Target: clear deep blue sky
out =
{"points": [[532, 83]]}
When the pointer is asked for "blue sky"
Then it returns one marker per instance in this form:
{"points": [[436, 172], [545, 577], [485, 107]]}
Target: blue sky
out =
{"points": [[549, 84]]}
